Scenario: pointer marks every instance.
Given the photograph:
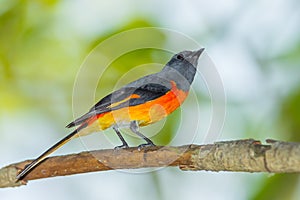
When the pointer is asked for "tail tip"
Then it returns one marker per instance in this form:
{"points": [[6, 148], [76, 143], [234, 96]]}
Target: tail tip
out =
{"points": [[70, 125]]}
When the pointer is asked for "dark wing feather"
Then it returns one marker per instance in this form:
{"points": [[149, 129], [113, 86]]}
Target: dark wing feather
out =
{"points": [[145, 93]]}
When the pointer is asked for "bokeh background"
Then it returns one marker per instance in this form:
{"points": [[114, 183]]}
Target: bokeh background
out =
{"points": [[255, 47]]}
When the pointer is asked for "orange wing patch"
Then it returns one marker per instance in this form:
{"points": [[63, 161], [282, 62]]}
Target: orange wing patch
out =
{"points": [[133, 96]]}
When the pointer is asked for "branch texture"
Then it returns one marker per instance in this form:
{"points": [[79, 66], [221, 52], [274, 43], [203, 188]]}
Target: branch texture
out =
{"points": [[239, 155]]}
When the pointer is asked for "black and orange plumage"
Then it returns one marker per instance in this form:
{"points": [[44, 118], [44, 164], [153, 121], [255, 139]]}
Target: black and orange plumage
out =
{"points": [[139, 103]]}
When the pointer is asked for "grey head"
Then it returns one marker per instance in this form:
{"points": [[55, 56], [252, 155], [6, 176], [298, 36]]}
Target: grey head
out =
{"points": [[185, 58], [182, 67]]}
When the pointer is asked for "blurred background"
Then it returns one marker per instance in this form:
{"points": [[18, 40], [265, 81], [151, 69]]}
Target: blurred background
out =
{"points": [[255, 47]]}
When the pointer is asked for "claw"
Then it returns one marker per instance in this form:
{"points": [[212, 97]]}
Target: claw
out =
{"points": [[141, 146], [123, 146]]}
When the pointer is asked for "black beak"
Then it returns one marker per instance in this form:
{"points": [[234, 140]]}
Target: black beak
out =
{"points": [[194, 56], [198, 52]]}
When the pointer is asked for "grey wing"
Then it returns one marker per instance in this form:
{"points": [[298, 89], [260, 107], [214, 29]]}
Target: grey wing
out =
{"points": [[135, 93], [103, 105]]}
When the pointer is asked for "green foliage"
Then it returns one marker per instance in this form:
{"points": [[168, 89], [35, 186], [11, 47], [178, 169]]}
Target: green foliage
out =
{"points": [[290, 116], [278, 187]]}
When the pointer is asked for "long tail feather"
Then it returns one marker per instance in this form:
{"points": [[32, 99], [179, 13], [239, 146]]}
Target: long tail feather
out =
{"points": [[42, 157]]}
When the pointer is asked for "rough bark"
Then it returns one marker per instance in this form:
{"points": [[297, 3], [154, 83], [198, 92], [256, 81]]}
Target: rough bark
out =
{"points": [[239, 156]]}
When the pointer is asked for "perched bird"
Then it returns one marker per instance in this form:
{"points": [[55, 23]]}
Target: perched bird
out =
{"points": [[139, 103]]}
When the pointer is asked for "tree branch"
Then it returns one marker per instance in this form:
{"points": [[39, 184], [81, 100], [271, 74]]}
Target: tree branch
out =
{"points": [[240, 155]]}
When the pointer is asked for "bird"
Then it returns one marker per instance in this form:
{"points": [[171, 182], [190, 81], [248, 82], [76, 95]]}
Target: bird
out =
{"points": [[137, 104]]}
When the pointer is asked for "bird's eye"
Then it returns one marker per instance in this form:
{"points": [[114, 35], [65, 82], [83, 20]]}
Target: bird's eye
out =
{"points": [[180, 57]]}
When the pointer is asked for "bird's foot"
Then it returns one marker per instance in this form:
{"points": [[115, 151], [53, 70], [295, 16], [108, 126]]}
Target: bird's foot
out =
{"points": [[123, 146], [142, 146]]}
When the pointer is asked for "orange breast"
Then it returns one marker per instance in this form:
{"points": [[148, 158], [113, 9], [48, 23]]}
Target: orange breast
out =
{"points": [[146, 113]]}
